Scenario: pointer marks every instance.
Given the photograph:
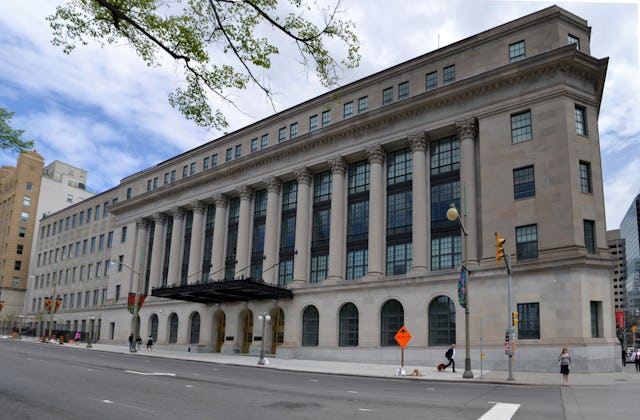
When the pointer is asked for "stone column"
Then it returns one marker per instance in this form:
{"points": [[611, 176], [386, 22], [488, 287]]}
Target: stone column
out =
{"points": [[467, 130], [142, 234], [195, 249], [243, 250], [303, 226], [377, 223], [219, 235], [420, 218], [156, 251], [175, 252], [337, 228], [271, 230]]}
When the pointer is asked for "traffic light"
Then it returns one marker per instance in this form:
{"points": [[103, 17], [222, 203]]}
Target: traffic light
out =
{"points": [[499, 248], [514, 318]]}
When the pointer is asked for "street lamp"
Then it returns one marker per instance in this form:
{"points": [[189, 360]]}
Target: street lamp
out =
{"points": [[20, 329], [453, 215], [264, 318], [91, 319]]}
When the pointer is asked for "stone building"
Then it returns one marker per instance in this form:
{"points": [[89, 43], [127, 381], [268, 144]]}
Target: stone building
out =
{"points": [[330, 216]]}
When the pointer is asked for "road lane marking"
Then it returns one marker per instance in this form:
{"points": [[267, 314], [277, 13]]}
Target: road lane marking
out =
{"points": [[150, 373], [365, 409], [352, 392], [189, 386], [500, 411], [128, 406]]}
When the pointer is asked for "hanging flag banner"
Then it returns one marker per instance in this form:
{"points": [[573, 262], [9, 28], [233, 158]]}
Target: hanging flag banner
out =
{"points": [[462, 289], [131, 302], [1, 304], [47, 305], [57, 305], [620, 319]]}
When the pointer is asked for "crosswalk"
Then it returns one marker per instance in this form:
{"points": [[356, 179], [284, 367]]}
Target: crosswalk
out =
{"points": [[500, 411]]}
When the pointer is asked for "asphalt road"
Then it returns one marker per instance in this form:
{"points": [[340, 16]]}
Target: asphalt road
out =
{"points": [[43, 381]]}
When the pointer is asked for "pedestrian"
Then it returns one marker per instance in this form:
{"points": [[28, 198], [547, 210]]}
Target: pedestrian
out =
{"points": [[451, 357], [150, 343], [139, 343], [131, 342], [636, 359], [624, 357], [565, 365], [77, 337]]}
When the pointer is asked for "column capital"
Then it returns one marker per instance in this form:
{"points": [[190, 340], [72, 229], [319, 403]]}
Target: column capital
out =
{"points": [[178, 213], [273, 184], [418, 142], [142, 224], [245, 192], [198, 207], [303, 175], [338, 165], [375, 154], [159, 218], [467, 129], [221, 201]]}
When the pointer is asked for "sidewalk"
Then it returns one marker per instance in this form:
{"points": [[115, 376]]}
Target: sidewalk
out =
{"points": [[628, 375]]}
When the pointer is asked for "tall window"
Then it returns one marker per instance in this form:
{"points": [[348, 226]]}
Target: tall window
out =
{"points": [[449, 74], [313, 122], [358, 220], [517, 52], [432, 80], [585, 177], [293, 130], [347, 110], [282, 134], [254, 145], [264, 141], [521, 127], [596, 313], [232, 238], [173, 328], [194, 333], [326, 118], [208, 240], [259, 223], [363, 104], [528, 321], [590, 236], [387, 96], [445, 155], [446, 252], [229, 154], [442, 321], [320, 226], [310, 326], [287, 232], [403, 90], [238, 151], [391, 319], [523, 183], [399, 212], [581, 120], [348, 326], [572, 39], [154, 327], [527, 242]]}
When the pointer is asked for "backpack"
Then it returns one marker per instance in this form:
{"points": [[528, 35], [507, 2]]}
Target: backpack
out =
{"points": [[448, 354]]}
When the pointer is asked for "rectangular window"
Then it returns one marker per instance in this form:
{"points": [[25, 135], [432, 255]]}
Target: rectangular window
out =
{"points": [[282, 134], [517, 52], [527, 242], [585, 177], [521, 127], [22, 232], [26, 201], [214, 160], [89, 215], [445, 155], [326, 118], [357, 263], [313, 122], [572, 39], [581, 121], [123, 234], [403, 90], [155, 185], [363, 104], [100, 242], [205, 166], [192, 170], [399, 258], [528, 321], [590, 236], [185, 171], [24, 216], [238, 151], [596, 313], [322, 187], [105, 209], [449, 74], [319, 268], [229, 155], [387, 96], [446, 252], [347, 110], [254, 145], [173, 176], [432, 80], [524, 184], [264, 141], [293, 130], [149, 185]]}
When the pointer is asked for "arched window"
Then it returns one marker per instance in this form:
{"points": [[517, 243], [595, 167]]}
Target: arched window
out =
{"points": [[391, 319], [173, 328], [442, 322], [310, 326], [194, 335], [348, 327], [154, 327]]}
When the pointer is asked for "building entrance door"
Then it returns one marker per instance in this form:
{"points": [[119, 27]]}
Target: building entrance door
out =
{"points": [[220, 333], [277, 329], [247, 330]]}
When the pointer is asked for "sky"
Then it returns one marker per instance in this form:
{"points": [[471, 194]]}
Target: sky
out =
{"points": [[104, 110]]}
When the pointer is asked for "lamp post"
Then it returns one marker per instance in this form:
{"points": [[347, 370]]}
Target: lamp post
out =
{"points": [[136, 305], [452, 215], [264, 318], [20, 329], [91, 320]]}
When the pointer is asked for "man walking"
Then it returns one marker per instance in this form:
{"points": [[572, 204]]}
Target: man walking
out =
{"points": [[636, 359], [451, 356]]}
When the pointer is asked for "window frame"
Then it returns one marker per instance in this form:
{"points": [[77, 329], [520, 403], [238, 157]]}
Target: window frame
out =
{"points": [[521, 127], [517, 51]]}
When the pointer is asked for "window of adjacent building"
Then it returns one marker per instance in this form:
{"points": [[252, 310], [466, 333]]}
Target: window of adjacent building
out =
{"points": [[387, 96], [229, 154], [442, 321], [26, 201], [363, 104], [391, 320], [326, 118], [238, 151], [449, 74], [123, 234], [596, 315], [19, 249], [313, 122], [254, 145], [528, 321], [590, 236], [527, 242], [403, 90], [348, 325], [15, 282], [310, 326], [523, 183], [17, 265], [581, 120], [173, 176], [293, 130], [185, 171], [347, 110], [264, 141], [282, 134], [69, 198], [572, 39], [517, 51], [521, 127], [22, 232], [214, 160], [192, 171], [432, 80], [585, 177], [28, 186]]}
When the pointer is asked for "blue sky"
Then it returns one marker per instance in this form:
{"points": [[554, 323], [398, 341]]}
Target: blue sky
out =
{"points": [[103, 110]]}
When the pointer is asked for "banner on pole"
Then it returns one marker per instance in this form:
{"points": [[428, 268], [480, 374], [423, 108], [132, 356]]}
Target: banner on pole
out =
{"points": [[47, 304], [462, 289], [131, 302], [620, 319]]}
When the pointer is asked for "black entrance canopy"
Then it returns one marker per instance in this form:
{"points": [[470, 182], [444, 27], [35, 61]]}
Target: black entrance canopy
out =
{"points": [[223, 291]]}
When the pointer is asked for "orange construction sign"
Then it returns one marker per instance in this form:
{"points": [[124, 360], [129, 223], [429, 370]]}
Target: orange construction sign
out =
{"points": [[403, 336]]}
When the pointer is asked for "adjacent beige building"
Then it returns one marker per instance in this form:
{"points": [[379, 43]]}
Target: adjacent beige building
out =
{"points": [[331, 217]]}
